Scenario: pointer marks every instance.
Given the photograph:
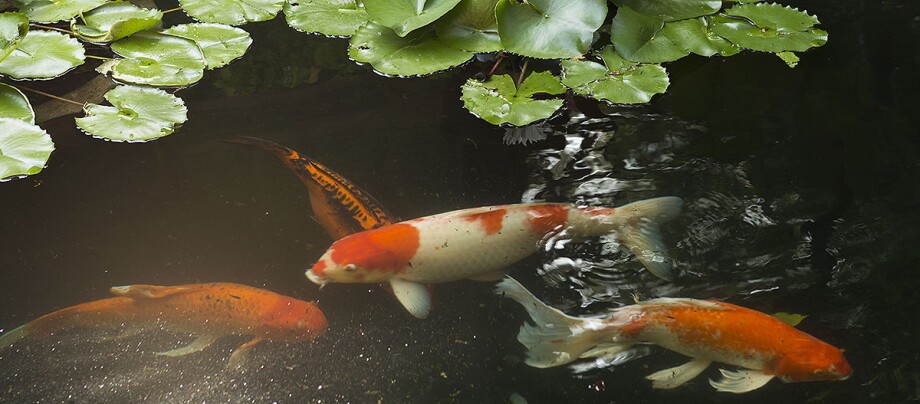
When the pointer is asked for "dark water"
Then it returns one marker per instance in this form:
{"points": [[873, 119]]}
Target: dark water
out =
{"points": [[800, 191]]}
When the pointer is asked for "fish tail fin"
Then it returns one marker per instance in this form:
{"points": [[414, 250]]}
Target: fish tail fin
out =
{"points": [[639, 230], [13, 336], [557, 338]]}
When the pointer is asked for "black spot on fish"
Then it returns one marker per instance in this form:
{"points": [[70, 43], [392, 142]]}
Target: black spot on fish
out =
{"points": [[235, 297]]}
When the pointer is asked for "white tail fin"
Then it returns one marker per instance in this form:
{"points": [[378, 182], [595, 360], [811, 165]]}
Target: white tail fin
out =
{"points": [[639, 231], [13, 336], [557, 338]]}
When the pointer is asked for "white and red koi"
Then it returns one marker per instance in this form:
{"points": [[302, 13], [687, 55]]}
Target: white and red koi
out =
{"points": [[707, 331], [480, 243], [208, 310]]}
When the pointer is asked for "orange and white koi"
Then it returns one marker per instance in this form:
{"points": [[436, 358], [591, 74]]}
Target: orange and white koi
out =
{"points": [[208, 310], [480, 243], [707, 331]]}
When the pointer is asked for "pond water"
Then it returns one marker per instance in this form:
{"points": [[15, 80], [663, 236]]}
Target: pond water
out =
{"points": [[800, 190]]}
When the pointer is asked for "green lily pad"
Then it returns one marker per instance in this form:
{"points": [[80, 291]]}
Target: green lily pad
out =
{"points": [[114, 21], [769, 28], [43, 55], [55, 10], [14, 104], [138, 114], [13, 27], [418, 53], [791, 59], [405, 16], [790, 318], [616, 80], [337, 18], [498, 101], [24, 148], [671, 10], [471, 26], [233, 12], [220, 43], [549, 29], [156, 59], [638, 38], [694, 35]]}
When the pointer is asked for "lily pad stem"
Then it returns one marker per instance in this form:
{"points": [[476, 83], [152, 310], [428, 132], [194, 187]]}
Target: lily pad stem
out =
{"points": [[521, 76], [171, 10], [51, 96], [498, 61], [98, 57], [68, 32]]}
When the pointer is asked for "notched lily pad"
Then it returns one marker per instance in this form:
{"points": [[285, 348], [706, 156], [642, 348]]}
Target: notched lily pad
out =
{"points": [[418, 53], [405, 16], [233, 12], [638, 37], [220, 43], [549, 29], [156, 59], [615, 80], [55, 10], [335, 18], [471, 26], [137, 114], [43, 55], [769, 28], [114, 21], [671, 10], [24, 148], [695, 36], [14, 104], [498, 101], [13, 27]]}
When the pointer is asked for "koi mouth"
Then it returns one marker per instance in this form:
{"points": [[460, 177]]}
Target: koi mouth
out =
{"points": [[319, 280]]}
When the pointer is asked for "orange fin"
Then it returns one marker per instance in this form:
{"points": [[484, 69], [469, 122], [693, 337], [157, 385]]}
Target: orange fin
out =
{"points": [[147, 291]]}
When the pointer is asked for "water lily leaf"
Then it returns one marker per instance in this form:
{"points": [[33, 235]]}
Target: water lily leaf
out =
{"points": [[137, 114], [55, 10], [471, 26], [790, 318], [769, 28], [694, 36], [790, 58], [13, 27], [219, 43], [43, 55], [671, 10], [24, 148], [405, 16], [14, 104], [637, 37], [114, 21], [549, 29], [338, 18], [156, 59], [417, 53], [616, 80], [498, 101], [233, 12]]}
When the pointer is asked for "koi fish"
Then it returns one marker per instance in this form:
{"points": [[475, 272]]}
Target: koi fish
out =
{"points": [[480, 243], [208, 310], [707, 331]]}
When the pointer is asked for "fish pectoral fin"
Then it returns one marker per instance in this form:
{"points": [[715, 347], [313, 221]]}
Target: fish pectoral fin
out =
{"points": [[415, 297], [241, 353], [488, 276], [678, 375], [203, 341], [146, 291], [126, 333], [740, 381]]}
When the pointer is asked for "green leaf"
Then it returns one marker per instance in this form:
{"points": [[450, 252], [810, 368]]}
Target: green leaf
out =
{"points": [[114, 21], [616, 80], [498, 101], [138, 114], [769, 28], [671, 10], [43, 55], [233, 12], [418, 53], [156, 59], [13, 27], [638, 38], [694, 36], [220, 44], [14, 104], [549, 29], [24, 148], [405, 16], [790, 318], [55, 10], [471, 26], [339, 18], [790, 58]]}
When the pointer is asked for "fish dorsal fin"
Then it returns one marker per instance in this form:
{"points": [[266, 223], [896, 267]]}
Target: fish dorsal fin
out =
{"points": [[676, 301], [147, 291]]}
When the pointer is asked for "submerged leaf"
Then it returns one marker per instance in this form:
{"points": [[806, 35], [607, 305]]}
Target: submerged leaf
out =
{"points": [[43, 55], [13, 27], [418, 53], [549, 29], [671, 10], [327, 17], [24, 148], [219, 43], [405, 16], [138, 114], [616, 80], [769, 28], [156, 59], [114, 21], [790, 318], [233, 12], [14, 104], [55, 10], [790, 58], [498, 101], [471, 26]]}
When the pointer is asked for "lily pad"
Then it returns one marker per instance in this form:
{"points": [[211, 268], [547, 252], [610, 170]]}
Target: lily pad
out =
{"points": [[418, 53], [791, 59], [671, 10], [638, 38], [43, 55], [405, 16], [14, 104], [233, 12], [769, 28], [156, 59], [55, 10], [617, 80], [220, 43], [13, 27], [549, 29], [694, 35], [337, 18], [114, 21], [24, 148], [137, 114], [790, 318], [471, 26], [498, 101]]}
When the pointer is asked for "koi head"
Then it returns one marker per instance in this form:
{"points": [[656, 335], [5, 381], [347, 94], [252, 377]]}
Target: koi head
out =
{"points": [[292, 319], [367, 257], [826, 363], [349, 271]]}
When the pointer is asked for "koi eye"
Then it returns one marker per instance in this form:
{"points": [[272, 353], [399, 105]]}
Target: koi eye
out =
{"points": [[351, 268]]}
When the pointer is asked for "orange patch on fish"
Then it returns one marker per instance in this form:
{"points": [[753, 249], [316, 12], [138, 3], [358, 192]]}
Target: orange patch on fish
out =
{"points": [[491, 221], [320, 268], [544, 219], [388, 248]]}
